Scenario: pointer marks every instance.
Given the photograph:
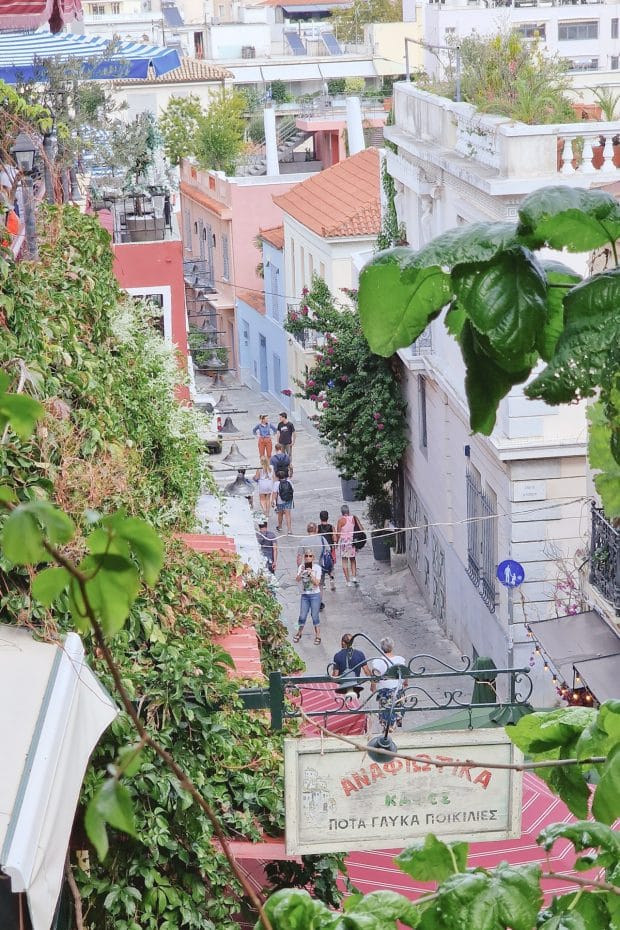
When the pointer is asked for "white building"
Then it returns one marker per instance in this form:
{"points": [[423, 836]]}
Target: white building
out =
{"points": [[328, 219], [585, 35], [524, 488]]}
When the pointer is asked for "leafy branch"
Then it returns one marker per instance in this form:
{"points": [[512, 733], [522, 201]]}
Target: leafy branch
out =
{"points": [[508, 308]]}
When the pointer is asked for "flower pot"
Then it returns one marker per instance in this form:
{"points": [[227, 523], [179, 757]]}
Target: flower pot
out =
{"points": [[350, 488], [380, 548]]}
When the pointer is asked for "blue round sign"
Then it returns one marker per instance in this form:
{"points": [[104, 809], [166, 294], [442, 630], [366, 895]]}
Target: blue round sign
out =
{"points": [[510, 573]]}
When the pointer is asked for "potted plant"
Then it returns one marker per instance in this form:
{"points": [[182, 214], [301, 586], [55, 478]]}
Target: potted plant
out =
{"points": [[382, 534]]}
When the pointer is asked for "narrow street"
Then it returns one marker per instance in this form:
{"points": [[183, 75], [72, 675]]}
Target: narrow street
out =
{"points": [[383, 604]]}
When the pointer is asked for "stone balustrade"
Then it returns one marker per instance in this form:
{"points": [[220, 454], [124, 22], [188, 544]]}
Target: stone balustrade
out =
{"points": [[513, 149]]}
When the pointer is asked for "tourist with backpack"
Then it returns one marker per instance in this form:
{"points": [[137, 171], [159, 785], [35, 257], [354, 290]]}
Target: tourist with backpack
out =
{"points": [[280, 461], [283, 494], [326, 530]]}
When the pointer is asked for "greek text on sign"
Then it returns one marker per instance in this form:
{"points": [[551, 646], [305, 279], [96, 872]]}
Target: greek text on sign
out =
{"points": [[337, 799]]}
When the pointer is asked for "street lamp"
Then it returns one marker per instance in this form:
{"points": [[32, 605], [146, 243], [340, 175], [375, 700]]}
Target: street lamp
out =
{"points": [[50, 150], [23, 151]]}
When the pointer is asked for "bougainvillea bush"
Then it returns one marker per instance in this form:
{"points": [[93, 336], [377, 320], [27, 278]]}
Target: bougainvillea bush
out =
{"points": [[360, 410]]}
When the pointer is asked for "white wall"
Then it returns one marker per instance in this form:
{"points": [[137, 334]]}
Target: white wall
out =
{"points": [[226, 41]]}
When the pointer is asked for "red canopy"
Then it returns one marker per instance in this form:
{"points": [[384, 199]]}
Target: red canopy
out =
{"points": [[30, 14], [321, 696]]}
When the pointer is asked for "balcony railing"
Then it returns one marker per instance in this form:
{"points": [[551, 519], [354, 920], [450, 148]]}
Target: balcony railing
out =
{"points": [[308, 338], [605, 558], [586, 149]]}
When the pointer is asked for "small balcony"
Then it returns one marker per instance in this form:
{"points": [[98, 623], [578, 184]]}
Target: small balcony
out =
{"points": [[145, 217], [605, 558], [308, 339]]}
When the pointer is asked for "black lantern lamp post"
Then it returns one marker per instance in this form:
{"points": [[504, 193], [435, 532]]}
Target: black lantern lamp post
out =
{"points": [[23, 152], [50, 151]]}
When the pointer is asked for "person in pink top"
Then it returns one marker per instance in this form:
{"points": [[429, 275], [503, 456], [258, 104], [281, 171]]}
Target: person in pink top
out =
{"points": [[343, 537]]}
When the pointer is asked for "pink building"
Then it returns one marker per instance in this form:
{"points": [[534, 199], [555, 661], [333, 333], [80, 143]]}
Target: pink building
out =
{"points": [[221, 218]]}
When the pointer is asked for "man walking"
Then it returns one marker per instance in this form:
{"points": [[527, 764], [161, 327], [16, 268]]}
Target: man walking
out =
{"points": [[280, 461], [389, 689], [286, 437], [268, 545], [309, 578]]}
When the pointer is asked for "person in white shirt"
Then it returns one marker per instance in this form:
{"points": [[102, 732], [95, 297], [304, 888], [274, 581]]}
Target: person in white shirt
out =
{"points": [[389, 690], [309, 577]]}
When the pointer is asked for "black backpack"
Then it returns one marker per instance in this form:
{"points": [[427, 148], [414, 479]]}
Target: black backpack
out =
{"points": [[285, 490]]}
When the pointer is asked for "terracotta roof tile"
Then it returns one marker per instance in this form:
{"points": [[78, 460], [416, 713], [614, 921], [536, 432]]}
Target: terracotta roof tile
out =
{"points": [[253, 299], [344, 200], [274, 236], [191, 70]]}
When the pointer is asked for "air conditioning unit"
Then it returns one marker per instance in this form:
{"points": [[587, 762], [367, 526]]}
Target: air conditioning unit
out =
{"points": [[248, 51]]}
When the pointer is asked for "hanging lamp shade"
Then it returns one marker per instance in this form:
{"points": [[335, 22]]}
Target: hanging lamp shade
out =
{"points": [[234, 455], [240, 487]]}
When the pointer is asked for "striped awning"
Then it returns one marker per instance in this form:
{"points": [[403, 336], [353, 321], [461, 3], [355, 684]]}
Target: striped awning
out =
{"points": [[23, 56], [30, 14]]}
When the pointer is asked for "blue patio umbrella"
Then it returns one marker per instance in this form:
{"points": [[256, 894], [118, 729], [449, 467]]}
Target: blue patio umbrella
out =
{"points": [[23, 56]]}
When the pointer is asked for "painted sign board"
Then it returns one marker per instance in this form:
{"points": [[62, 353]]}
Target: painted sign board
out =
{"points": [[337, 799]]}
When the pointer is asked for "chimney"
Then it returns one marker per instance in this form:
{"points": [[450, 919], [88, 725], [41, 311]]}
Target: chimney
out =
{"points": [[355, 131], [271, 141]]}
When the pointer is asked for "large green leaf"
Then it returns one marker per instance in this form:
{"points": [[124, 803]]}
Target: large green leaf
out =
{"points": [[95, 827], [506, 299], [112, 588], [606, 802], [29, 526], [602, 734], [485, 382], [569, 784], [49, 584], [560, 279], [570, 217], [545, 730], [569, 920], [114, 804], [476, 242], [381, 910], [294, 909], [431, 860], [607, 470], [398, 296], [510, 896], [592, 326], [146, 546]]}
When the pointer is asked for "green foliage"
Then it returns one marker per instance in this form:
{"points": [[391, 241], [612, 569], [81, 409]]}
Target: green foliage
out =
{"points": [[178, 125], [392, 232], [508, 308], [354, 85], [506, 897], [361, 413], [335, 86], [280, 92], [349, 24], [608, 100], [514, 77], [219, 137]]}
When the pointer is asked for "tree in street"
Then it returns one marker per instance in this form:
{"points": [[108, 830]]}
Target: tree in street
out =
{"points": [[219, 138], [178, 125]]}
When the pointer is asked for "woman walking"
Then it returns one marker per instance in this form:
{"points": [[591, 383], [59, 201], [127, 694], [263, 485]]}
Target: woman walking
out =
{"points": [[309, 578], [264, 478], [343, 536], [263, 430]]}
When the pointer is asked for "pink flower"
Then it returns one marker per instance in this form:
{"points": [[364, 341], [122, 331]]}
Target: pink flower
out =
{"points": [[310, 383], [313, 397], [325, 405], [377, 416], [304, 311], [305, 291], [293, 316], [330, 351], [380, 426], [286, 392], [344, 377]]}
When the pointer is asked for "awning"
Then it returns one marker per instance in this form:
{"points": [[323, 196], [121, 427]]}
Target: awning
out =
{"points": [[340, 69], [22, 56], [250, 75], [30, 14], [302, 71], [53, 712], [585, 644]]}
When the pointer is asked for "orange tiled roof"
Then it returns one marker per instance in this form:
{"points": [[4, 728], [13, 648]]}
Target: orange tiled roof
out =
{"points": [[242, 642], [210, 203], [274, 236], [253, 299], [191, 70], [344, 200]]}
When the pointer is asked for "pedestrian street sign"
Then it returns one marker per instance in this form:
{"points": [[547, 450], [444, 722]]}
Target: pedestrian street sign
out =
{"points": [[510, 573], [337, 799]]}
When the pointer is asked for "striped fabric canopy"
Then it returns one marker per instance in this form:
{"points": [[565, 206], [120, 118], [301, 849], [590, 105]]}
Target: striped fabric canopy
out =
{"points": [[29, 14], [23, 55]]}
